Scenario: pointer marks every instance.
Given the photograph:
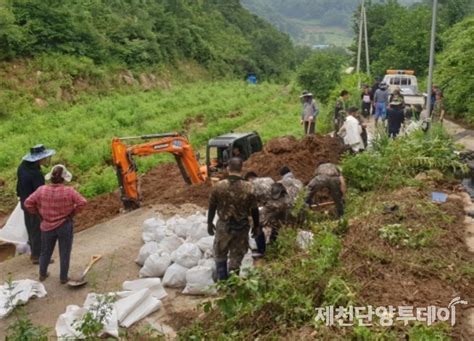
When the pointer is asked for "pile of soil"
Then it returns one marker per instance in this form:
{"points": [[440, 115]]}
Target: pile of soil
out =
{"points": [[165, 185], [301, 156], [162, 185], [400, 275]]}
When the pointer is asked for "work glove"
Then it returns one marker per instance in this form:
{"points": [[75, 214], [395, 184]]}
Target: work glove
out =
{"points": [[211, 229]]}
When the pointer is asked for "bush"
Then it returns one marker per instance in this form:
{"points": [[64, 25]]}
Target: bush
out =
{"points": [[320, 73], [394, 163]]}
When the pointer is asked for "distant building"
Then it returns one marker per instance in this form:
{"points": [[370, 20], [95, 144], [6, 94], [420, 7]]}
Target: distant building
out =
{"points": [[320, 46]]}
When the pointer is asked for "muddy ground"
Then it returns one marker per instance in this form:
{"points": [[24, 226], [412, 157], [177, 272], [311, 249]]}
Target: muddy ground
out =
{"points": [[419, 276]]}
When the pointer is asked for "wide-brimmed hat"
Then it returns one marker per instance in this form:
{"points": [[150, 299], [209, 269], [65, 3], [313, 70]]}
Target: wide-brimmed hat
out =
{"points": [[306, 93], [66, 175], [276, 190], [38, 152]]}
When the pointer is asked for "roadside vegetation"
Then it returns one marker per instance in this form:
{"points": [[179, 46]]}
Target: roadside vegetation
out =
{"points": [[391, 232]]}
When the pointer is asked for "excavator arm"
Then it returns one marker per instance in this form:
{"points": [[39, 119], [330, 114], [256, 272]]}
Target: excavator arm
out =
{"points": [[173, 143]]}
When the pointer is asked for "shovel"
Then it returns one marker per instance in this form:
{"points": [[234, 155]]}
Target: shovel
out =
{"points": [[82, 279]]}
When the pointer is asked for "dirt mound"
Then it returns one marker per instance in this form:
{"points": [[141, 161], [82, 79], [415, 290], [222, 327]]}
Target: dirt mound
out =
{"points": [[162, 185], [301, 156], [165, 185]]}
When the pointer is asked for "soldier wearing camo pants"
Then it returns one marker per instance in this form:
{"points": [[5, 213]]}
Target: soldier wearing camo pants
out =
{"points": [[234, 201]]}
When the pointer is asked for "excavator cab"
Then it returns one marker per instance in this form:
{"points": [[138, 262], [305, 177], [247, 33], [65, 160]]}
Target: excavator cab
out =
{"points": [[222, 148]]}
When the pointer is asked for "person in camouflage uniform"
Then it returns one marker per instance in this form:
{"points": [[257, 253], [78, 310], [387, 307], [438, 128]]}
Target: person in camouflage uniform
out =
{"points": [[292, 185], [262, 189], [275, 212], [234, 201], [327, 175]]}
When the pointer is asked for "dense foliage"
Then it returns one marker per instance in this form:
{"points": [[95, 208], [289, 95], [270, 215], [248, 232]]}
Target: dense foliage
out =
{"points": [[222, 36], [395, 163], [321, 72], [399, 36], [454, 70]]}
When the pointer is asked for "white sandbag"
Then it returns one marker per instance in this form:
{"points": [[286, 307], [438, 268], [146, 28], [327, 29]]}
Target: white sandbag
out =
{"points": [[145, 251], [151, 224], [132, 306], [175, 276], [182, 229], [14, 230], [187, 255], [153, 284], [208, 254], [156, 265], [209, 263], [170, 243], [148, 237], [67, 322], [199, 281], [161, 233], [197, 217], [304, 239], [206, 243], [197, 231], [20, 293], [247, 264]]}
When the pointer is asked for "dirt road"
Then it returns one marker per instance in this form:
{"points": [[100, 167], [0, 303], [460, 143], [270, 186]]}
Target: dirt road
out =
{"points": [[118, 241]]}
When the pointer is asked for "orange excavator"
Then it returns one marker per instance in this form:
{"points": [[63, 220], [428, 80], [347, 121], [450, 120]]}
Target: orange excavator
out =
{"points": [[218, 152], [174, 143]]}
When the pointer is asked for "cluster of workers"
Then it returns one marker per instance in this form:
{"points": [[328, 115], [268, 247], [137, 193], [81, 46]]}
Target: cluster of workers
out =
{"points": [[350, 123], [267, 202]]}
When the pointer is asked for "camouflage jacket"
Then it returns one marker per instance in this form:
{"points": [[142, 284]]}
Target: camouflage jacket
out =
{"points": [[292, 185], [275, 210], [262, 189], [234, 198], [328, 169]]}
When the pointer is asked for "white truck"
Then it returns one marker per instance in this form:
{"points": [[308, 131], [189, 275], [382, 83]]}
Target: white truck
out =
{"points": [[406, 81]]}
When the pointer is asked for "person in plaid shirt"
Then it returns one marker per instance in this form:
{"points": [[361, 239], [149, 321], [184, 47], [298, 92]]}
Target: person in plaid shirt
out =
{"points": [[56, 204]]}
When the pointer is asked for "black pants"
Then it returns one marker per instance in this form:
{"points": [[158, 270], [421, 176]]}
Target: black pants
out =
{"points": [[64, 235], [33, 222], [366, 109], [312, 127]]}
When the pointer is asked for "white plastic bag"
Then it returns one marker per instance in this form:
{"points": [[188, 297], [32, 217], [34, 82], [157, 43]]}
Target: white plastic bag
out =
{"points": [[304, 239], [209, 263], [151, 224], [182, 229], [145, 251], [161, 233], [19, 293], [187, 255], [14, 230], [135, 305], [154, 284], [199, 281], [170, 243], [175, 276], [156, 265], [206, 243], [197, 231]]}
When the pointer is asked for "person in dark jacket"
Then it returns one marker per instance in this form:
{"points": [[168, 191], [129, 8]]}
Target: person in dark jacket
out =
{"points": [[29, 178], [395, 117]]}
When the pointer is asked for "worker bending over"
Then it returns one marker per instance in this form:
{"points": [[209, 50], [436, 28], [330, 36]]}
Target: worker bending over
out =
{"points": [[327, 175], [234, 201]]}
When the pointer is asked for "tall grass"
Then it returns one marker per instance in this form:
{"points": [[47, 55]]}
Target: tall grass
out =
{"points": [[82, 134]]}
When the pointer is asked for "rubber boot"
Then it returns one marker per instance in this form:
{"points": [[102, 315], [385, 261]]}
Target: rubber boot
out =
{"points": [[261, 245], [221, 269]]}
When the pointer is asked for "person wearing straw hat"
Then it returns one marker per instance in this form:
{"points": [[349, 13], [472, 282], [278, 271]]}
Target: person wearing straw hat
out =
{"points": [[309, 114], [29, 178], [56, 204]]}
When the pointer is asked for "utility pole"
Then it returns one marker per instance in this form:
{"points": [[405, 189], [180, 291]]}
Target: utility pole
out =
{"points": [[366, 39], [431, 66], [359, 50]]}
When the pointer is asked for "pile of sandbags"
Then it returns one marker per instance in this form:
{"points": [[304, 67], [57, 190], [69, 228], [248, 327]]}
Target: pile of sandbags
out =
{"points": [[180, 251]]}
